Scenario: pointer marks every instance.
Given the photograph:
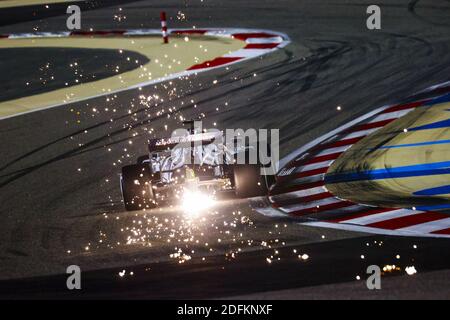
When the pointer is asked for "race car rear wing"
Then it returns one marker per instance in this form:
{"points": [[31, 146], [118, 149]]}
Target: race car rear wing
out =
{"points": [[163, 144]]}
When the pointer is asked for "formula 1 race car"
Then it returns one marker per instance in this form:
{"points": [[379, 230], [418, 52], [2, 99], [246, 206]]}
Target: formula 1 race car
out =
{"points": [[191, 170]]}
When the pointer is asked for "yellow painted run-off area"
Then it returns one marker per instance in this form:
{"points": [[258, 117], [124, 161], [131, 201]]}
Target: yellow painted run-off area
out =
{"points": [[403, 164], [22, 3], [165, 60]]}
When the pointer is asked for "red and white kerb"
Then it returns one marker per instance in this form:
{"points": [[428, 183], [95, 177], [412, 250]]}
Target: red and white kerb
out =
{"points": [[164, 27], [301, 191]]}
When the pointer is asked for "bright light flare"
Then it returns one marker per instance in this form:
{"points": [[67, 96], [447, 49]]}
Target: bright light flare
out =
{"points": [[195, 202], [410, 270]]}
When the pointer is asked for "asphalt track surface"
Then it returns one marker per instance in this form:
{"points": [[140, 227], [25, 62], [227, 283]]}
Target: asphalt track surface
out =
{"points": [[58, 181], [32, 75], [9, 15]]}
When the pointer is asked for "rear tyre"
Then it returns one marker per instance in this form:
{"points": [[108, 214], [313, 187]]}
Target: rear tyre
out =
{"points": [[136, 187], [248, 181]]}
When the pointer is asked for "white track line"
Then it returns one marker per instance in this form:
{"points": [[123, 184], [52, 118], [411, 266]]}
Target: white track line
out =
{"points": [[357, 228], [383, 216], [310, 205], [428, 227]]}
